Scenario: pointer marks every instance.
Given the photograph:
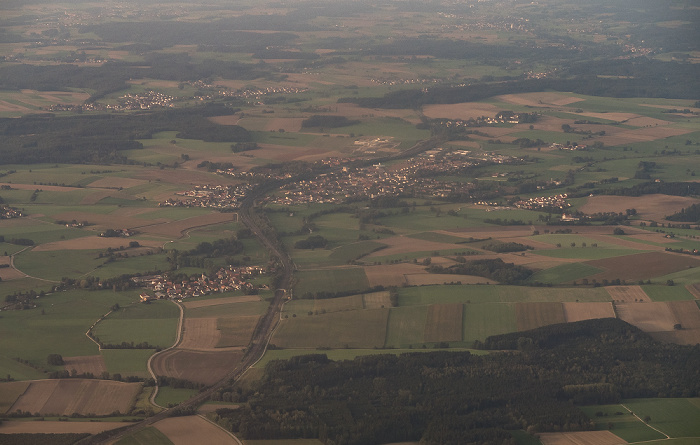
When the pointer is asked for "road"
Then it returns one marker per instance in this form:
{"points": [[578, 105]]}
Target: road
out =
{"points": [[267, 322]]}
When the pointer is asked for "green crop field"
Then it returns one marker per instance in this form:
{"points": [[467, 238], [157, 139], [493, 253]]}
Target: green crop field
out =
{"points": [[586, 253], [168, 396], [438, 237], [127, 361], [406, 326], [238, 309], [331, 280], [675, 417], [154, 323], [146, 436], [620, 422], [354, 251], [58, 326], [353, 329], [661, 292], [564, 273], [484, 319], [56, 264]]}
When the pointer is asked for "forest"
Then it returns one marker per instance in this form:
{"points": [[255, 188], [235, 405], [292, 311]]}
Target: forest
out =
{"points": [[456, 397]]}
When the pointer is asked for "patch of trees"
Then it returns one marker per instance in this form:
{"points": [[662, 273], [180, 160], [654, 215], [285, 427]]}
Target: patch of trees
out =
{"points": [[495, 269], [211, 132], [328, 121], [214, 166], [455, 397], [651, 188], [240, 147], [502, 247], [312, 242], [20, 241], [323, 295], [506, 222], [55, 360], [528, 143], [687, 214]]}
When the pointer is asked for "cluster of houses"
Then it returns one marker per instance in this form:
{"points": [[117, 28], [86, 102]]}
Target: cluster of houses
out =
{"points": [[544, 202], [7, 212], [225, 279], [211, 196], [250, 93]]}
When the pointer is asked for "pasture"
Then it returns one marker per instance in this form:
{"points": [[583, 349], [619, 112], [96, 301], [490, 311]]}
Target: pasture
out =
{"points": [[484, 319], [154, 323], [168, 396], [127, 362], [407, 325], [563, 273], [621, 422], [330, 280], [675, 417], [444, 323]]}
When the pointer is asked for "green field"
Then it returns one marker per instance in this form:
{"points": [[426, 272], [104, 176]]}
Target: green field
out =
{"points": [[354, 251], [58, 326], [146, 436], [661, 292], [330, 280], [423, 295], [127, 361], [484, 319], [564, 273], [620, 422], [586, 253], [438, 237], [168, 396], [675, 417], [406, 326], [349, 329], [154, 323]]}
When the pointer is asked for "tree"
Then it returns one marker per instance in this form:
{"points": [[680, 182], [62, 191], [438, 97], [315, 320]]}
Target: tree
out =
{"points": [[618, 231], [55, 360]]}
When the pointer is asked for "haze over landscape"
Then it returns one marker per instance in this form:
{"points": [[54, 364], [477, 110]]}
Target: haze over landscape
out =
{"points": [[360, 222]]}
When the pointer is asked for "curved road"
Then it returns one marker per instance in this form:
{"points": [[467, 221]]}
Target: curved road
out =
{"points": [[268, 322]]}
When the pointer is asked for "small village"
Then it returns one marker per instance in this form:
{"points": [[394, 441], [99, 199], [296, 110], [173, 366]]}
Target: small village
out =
{"points": [[7, 212], [544, 202], [210, 196], [226, 279]]}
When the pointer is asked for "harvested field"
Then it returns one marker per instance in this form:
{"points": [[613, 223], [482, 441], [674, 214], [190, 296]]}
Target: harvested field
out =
{"points": [[687, 314], [65, 397], [539, 99], [430, 278], [581, 438], [220, 301], [9, 273], [694, 289], [642, 266], [587, 311], [376, 300], [627, 294], [649, 317], [193, 429], [198, 366], [92, 242], [86, 364], [9, 393], [200, 334], [444, 322], [653, 207], [48, 427], [534, 315], [236, 331], [110, 220]]}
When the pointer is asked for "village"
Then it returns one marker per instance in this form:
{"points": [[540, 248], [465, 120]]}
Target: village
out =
{"points": [[7, 212], [226, 279]]}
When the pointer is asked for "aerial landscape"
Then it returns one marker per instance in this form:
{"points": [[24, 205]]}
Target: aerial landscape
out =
{"points": [[325, 222]]}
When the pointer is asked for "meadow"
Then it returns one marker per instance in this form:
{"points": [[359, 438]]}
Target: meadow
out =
{"points": [[154, 323]]}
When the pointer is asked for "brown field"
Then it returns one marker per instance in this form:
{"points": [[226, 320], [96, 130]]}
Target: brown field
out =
{"points": [[376, 300], [100, 194], [687, 314], [649, 317], [539, 99], [694, 289], [199, 334], [9, 393], [65, 397], [444, 322], [581, 438], [198, 366], [653, 207], [86, 364], [55, 427], [587, 311], [116, 182], [236, 331], [534, 315], [391, 274], [193, 429], [114, 219], [642, 266], [624, 136], [424, 279], [220, 301], [8, 273], [92, 242], [627, 294]]}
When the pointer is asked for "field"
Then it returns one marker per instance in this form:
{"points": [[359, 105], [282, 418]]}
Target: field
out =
{"points": [[444, 323], [146, 436], [485, 319], [407, 325], [193, 429], [587, 311], [642, 266], [154, 323], [331, 280], [627, 294], [9, 393], [236, 331], [197, 366], [580, 438], [353, 329], [649, 317], [93, 364], [65, 397], [534, 315], [127, 362], [168, 396], [56, 427], [675, 417]]}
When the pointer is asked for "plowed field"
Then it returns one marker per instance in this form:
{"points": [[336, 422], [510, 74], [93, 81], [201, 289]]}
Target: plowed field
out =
{"points": [[193, 429], [444, 322], [587, 311], [86, 364], [534, 315], [197, 366], [649, 317], [642, 266]]}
